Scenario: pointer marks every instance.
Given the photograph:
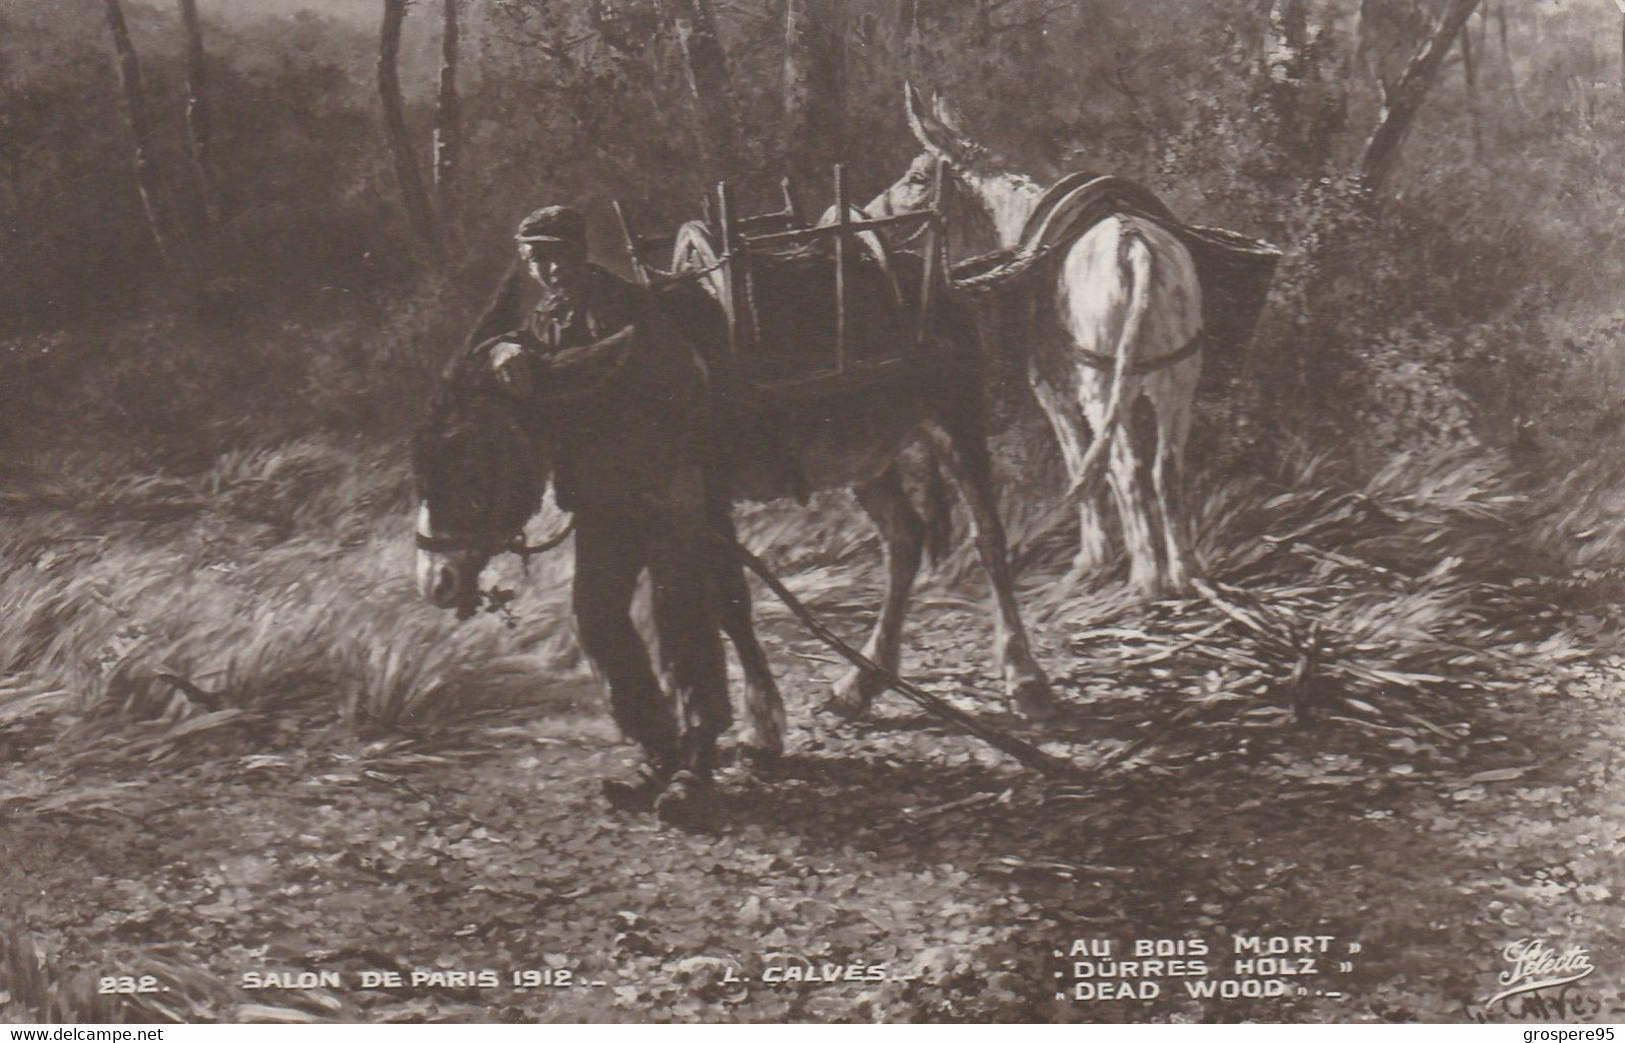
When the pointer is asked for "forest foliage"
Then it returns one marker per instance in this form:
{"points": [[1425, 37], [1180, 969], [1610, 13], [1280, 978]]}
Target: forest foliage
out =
{"points": [[1472, 300]]}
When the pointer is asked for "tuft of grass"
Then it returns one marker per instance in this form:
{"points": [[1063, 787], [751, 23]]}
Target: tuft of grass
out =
{"points": [[1388, 608], [280, 600], [284, 594]]}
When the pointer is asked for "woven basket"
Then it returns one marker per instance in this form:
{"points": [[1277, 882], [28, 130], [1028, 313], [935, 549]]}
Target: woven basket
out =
{"points": [[1235, 272]]}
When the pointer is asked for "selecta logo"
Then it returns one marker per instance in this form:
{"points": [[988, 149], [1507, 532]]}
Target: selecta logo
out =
{"points": [[1536, 965]]}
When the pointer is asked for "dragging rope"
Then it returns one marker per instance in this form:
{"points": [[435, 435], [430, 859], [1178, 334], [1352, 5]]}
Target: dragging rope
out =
{"points": [[1024, 752]]}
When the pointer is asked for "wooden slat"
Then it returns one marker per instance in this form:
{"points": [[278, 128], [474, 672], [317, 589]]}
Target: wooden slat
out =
{"points": [[791, 206], [765, 224], [933, 256], [804, 235], [629, 239], [842, 221], [729, 270]]}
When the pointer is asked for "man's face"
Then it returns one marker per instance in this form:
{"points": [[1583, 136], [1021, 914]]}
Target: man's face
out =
{"points": [[556, 266]]}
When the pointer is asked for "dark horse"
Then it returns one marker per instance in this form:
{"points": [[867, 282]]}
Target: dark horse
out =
{"points": [[650, 437]]}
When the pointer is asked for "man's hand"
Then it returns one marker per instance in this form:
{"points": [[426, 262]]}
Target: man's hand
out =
{"points": [[510, 362]]}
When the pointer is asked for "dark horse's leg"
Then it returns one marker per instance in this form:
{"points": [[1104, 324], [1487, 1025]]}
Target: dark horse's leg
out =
{"points": [[960, 440], [763, 737], [610, 554], [886, 502], [682, 550]]}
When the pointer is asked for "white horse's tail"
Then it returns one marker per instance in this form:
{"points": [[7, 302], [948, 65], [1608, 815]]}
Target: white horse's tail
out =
{"points": [[1135, 253]]}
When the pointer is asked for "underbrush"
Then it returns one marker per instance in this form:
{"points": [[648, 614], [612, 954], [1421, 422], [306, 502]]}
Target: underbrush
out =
{"points": [[159, 616], [1395, 608], [268, 600]]}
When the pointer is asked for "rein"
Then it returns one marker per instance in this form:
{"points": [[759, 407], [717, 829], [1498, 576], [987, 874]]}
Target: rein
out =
{"points": [[516, 545]]}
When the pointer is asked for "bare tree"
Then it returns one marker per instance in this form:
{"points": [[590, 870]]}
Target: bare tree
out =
{"points": [[149, 182], [1506, 55], [1401, 103], [1621, 5], [1469, 72], [448, 121], [1286, 61], [419, 210], [199, 123], [908, 35], [1388, 33], [715, 101], [815, 83]]}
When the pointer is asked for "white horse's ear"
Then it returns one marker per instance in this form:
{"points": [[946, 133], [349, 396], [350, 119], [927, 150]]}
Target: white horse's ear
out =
{"points": [[951, 119], [919, 119], [940, 136], [511, 367]]}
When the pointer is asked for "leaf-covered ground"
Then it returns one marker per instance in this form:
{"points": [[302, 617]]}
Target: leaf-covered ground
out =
{"points": [[207, 843]]}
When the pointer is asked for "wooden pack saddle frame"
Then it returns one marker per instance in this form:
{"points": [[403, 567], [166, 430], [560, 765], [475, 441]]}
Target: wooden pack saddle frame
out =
{"points": [[742, 239]]}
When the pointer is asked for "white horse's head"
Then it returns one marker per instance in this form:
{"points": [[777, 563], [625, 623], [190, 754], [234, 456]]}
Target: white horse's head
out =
{"points": [[1004, 197]]}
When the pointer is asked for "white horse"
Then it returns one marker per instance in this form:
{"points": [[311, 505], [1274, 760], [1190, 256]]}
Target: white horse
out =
{"points": [[1125, 291]]}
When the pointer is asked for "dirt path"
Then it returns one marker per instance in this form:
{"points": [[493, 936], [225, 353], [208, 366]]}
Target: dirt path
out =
{"points": [[923, 866]]}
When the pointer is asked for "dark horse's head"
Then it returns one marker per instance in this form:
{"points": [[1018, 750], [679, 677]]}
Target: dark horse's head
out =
{"points": [[480, 470], [483, 458]]}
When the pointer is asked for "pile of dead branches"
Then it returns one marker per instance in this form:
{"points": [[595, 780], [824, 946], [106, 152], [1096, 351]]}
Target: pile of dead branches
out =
{"points": [[1393, 609]]}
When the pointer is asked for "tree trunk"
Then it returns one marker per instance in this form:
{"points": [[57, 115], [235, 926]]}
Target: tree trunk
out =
{"points": [[1621, 5], [199, 122], [1401, 104], [815, 83], [1286, 65], [419, 210], [715, 102], [448, 123], [147, 178], [1506, 55], [908, 35], [1469, 71]]}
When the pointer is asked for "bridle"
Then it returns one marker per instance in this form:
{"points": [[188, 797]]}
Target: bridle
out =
{"points": [[494, 546]]}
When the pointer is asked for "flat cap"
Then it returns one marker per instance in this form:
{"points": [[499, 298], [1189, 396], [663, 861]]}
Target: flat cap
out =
{"points": [[554, 224]]}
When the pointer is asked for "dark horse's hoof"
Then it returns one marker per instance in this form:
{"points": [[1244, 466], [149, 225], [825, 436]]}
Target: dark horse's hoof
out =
{"points": [[853, 693], [636, 792], [1034, 700], [687, 801]]}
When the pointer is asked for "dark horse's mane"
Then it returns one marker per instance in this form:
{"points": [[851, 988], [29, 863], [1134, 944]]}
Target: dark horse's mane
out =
{"points": [[456, 446], [463, 375], [472, 424]]}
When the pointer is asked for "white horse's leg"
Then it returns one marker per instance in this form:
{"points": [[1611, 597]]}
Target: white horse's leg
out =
{"points": [[1067, 417], [1167, 479], [1134, 514], [1094, 543], [1173, 393]]}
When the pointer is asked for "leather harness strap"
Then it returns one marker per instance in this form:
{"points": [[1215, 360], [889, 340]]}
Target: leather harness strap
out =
{"points": [[515, 545], [1101, 360]]}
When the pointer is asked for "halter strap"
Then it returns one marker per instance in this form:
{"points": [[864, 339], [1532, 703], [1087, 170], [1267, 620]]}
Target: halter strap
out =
{"points": [[516, 545]]}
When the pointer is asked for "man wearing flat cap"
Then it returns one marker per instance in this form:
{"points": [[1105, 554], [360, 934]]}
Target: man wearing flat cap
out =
{"points": [[581, 303]]}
